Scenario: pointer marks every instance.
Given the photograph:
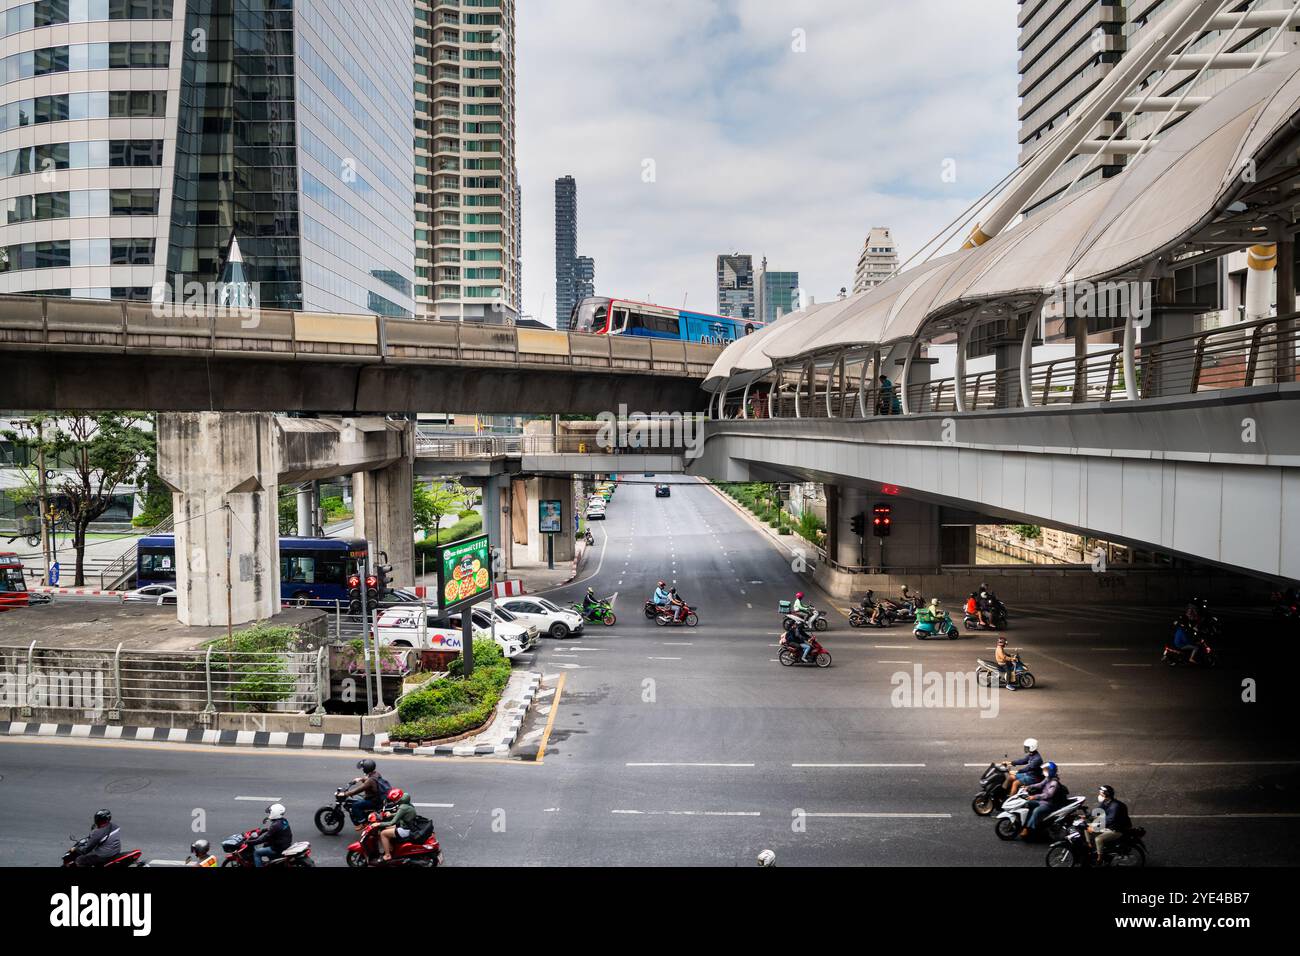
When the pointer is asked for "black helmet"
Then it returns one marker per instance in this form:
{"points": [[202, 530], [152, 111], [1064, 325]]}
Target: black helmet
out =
{"points": [[102, 817], [1107, 791], [200, 847], [366, 766]]}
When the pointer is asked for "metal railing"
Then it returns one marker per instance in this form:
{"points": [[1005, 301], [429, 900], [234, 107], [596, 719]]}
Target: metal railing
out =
{"points": [[1242, 355], [643, 441], [99, 680]]}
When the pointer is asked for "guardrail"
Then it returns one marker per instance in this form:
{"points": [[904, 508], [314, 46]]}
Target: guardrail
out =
{"points": [[1241, 355], [514, 446], [91, 325], [203, 681]]}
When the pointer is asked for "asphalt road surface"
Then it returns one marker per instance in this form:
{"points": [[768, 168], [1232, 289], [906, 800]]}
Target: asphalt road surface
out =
{"points": [[680, 746]]}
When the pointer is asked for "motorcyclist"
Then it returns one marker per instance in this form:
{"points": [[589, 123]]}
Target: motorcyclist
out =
{"points": [[372, 786], [590, 602], [869, 603], [201, 854], [103, 843], [972, 606], [1185, 641], [1007, 664], [678, 605], [796, 633], [1113, 825], [1049, 794], [400, 821], [984, 603], [662, 598], [274, 838], [798, 607], [1032, 762]]}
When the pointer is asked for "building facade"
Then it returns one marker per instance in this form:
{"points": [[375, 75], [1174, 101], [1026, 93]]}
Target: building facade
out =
{"points": [[584, 278], [735, 277], [467, 234], [775, 293], [566, 249], [147, 140], [877, 261]]}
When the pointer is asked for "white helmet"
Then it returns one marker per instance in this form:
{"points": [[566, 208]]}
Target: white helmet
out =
{"points": [[1031, 743], [275, 811], [767, 858]]}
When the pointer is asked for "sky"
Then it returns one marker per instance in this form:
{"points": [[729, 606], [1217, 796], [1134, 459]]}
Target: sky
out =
{"points": [[785, 128]]}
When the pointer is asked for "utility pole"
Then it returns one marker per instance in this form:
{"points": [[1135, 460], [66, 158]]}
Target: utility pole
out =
{"points": [[230, 632], [43, 497]]}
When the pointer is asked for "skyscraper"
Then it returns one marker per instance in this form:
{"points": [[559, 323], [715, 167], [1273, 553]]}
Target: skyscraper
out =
{"points": [[153, 140], [877, 261], [584, 278], [736, 286], [566, 249], [776, 293], [466, 180]]}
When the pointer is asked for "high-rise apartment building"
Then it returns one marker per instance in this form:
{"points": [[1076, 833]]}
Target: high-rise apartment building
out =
{"points": [[584, 278], [566, 249], [735, 277], [877, 261], [466, 180], [775, 293], [149, 140]]}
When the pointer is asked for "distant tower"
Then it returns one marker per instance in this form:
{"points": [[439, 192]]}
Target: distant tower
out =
{"points": [[877, 261]]}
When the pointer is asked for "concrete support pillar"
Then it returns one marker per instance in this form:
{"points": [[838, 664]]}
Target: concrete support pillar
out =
{"points": [[223, 471], [1080, 392], [1167, 374], [848, 503], [551, 489], [495, 522], [1284, 368], [306, 511], [381, 507]]}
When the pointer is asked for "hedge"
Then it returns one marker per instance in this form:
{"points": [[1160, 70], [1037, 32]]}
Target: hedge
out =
{"points": [[453, 705], [461, 529]]}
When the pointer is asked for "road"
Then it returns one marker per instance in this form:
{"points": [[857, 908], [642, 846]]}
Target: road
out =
{"points": [[693, 746]]}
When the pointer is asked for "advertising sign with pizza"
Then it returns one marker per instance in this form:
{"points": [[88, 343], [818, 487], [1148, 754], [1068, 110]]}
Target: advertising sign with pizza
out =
{"points": [[464, 572]]}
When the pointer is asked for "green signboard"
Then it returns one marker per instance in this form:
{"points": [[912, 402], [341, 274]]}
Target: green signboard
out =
{"points": [[464, 572]]}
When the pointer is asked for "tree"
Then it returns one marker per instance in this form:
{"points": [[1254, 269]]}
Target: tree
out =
{"points": [[91, 455], [429, 505]]}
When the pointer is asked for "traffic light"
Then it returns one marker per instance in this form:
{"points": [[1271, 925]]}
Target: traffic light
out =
{"points": [[858, 523], [354, 593], [383, 585], [881, 520]]}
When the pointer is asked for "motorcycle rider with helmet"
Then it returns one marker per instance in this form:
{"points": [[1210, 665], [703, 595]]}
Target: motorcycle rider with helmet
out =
{"points": [[1006, 664], [103, 843], [202, 854], [589, 602], [1113, 825], [1032, 762], [796, 633], [798, 607], [679, 606], [1048, 794], [372, 788], [400, 825], [274, 838]]}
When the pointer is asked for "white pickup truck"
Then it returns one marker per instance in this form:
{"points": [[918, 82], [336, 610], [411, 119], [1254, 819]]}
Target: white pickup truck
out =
{"points": [[426, 628]]}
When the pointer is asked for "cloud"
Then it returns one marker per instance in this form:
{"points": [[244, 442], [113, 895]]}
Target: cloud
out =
{"points": [[756, 147]]}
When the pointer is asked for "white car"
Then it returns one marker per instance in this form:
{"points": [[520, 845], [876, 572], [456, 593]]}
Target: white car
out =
{"points": [[151, 594], [507, 619], [596, 510], [427, 628], [545, 616]]}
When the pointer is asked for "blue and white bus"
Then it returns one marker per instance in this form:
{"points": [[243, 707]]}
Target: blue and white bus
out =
{"points": [[311, 569], [604, 316]]}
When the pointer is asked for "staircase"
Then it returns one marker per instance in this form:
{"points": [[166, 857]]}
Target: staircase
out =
{"points": [[120, 572]]}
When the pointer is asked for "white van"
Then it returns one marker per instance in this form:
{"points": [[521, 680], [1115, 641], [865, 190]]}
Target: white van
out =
{"points": [[427, 628]]}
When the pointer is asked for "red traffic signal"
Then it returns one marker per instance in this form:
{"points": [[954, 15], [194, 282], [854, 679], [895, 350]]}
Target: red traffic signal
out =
{"points": [[881, 520]]}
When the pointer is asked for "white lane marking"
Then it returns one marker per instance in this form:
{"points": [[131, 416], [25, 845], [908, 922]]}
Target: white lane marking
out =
{"points": [[1113, 664], [437, 806], [688, 813], [884, 816], [890, 647], [1219, 816], [676, 644], [857, 765], [748, 605], [663, 658], [260, 799], [893, 662], [1108, 648], [669, 764], [1228, 763]]}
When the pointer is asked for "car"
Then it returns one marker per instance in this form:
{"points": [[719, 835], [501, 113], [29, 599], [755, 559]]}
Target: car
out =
{"points": [[507, 619], [159, 594], [596, 511], [544, 615], [663, 491], [425, 627]]}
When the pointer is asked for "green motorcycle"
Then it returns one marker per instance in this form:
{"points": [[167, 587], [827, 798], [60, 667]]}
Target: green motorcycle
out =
{"points": [[602, 611]]}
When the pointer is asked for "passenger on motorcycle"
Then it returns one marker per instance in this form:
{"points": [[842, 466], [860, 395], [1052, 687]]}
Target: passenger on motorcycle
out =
{"points": [[274, 838], [1032, 762], [103, 843], [1113, 825], [662, 597], [202, 854], [1007, 664], [1049, 794], [984, 603], [373, 787], [400, 823], [796, 633]]}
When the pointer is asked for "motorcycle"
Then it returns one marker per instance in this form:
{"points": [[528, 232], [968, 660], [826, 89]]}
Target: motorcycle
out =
{"points": [[987, 672], [663, 614], [972, 621], [937, 625], [240, 853], [601, 611], [330, 818], [1015, 815], [1128, 850], [995, 784], [792, 654], [130, 858], [421, 849], [904, 610], [1205, 656], [810, 617], [861, 617], [588, 538]]}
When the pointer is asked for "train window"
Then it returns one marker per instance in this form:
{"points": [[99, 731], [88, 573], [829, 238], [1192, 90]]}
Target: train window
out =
{"points": [[620, 321], [658, 324]]}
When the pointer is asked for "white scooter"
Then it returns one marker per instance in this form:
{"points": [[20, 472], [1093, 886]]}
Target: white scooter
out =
{"points": [[1015, 817], [810, 617]]}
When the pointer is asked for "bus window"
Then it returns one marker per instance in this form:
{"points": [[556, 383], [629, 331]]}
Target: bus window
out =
{"points": [[11, 579], [157, 565], [298, 569]]}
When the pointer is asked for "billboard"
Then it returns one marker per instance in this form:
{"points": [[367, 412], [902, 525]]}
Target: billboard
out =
{"points": [[464, 571], [549, 519]]}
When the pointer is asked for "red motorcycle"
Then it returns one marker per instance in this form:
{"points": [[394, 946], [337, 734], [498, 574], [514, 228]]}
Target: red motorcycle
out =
{"points": [[665, 615], [792, 654], [420, 849], [130, 858], [240, 853]]}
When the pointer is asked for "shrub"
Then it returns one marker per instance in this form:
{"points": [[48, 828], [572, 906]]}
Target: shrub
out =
{"points": [[454, 705], [464, 528], [253, 659]]}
